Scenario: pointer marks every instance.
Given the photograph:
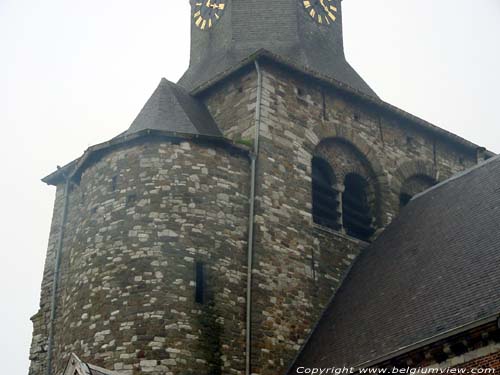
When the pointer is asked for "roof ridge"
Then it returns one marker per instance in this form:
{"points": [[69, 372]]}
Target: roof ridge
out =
{"points": [[161, 91], [172, 108]]}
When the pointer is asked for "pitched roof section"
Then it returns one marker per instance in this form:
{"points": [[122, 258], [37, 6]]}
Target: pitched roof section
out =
{"points": [[171, 108], [76, 366], [337, 68], [436, 268]]}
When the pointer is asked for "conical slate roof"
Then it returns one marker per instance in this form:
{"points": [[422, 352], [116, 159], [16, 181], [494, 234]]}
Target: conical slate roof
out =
{"points": [[172, 109], [435, 269]]}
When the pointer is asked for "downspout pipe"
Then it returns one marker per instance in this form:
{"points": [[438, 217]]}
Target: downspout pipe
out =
{"points": [[55, 282], [251, 221]]}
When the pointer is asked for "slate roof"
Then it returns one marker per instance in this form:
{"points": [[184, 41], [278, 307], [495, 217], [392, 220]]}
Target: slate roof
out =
{"points": [[434, 269], [171, 108]]}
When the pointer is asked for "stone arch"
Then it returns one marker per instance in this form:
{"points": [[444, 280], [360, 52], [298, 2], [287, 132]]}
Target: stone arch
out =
{"points": [[414, 168], [413, 177], [413, 186], [346, 158], [325, 133]]}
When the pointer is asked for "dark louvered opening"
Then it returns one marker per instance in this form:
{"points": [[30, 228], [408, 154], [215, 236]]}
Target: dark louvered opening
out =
{"points": [[404, 199], [356, 211], [324, 195]]}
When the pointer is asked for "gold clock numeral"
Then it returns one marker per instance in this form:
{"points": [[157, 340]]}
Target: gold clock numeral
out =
{"points": [[321, 11], [206, 13]]}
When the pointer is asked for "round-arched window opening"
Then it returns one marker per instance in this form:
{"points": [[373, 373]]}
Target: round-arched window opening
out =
{"points": [[413, 186], [357, 213], [325, 205], [404, 199]]}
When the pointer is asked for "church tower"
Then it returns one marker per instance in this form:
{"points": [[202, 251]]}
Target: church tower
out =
{"points": [[209, 236], [303, 33]]}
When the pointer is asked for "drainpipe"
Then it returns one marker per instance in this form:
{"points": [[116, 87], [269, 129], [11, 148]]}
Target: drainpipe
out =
{"points": [[251, 220], [55, 282]]}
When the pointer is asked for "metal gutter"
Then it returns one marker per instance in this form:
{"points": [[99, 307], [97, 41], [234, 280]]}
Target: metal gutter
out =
{"points": [[251, 222], [55, 282]]}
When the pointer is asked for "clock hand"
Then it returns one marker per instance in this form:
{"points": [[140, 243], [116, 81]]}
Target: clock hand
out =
{"points": [[322, 2], [327, 9]]}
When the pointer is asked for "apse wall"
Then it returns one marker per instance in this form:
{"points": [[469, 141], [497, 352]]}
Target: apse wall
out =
{"points": [[154, 261]]}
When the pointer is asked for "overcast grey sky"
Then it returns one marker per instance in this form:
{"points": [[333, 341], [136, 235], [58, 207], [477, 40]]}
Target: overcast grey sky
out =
{"points": [[75, 73]]}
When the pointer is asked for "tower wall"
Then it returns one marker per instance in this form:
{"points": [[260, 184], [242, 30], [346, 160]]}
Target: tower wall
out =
{"points": [[139, 221], [298, 264], [285, 29]]}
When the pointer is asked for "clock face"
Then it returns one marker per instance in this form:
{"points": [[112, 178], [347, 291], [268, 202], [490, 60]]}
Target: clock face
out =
{"points": [[207, 12], [322, 11]]}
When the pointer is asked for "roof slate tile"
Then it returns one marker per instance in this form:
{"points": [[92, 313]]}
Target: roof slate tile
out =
{"points": [[434, 269]]}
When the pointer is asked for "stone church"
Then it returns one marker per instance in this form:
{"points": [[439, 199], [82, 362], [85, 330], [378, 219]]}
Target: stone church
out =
{"points": [[270, 214]]}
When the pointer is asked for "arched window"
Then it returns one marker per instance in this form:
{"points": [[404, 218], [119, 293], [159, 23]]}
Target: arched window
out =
{"points": [[356, 211], [324, 195], [414, 185]]}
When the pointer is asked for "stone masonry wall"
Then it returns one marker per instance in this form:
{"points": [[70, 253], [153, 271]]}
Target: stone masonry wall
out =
{"points": [[232, 104], [38, 351], [298, 266], [139, 221]]}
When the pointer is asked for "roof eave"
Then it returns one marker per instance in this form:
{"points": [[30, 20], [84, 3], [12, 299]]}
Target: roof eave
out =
{"points": [[75, 168], [60, 175], [430, 340]]}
